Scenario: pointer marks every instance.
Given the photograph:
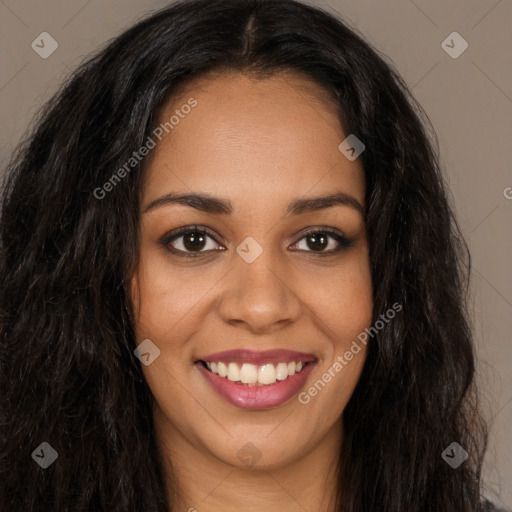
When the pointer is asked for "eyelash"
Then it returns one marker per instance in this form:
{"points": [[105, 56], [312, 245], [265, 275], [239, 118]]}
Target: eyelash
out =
{"points": [[165, 241]]}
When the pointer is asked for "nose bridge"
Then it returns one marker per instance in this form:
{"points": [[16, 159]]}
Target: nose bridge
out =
{"points": [[258, 293]]}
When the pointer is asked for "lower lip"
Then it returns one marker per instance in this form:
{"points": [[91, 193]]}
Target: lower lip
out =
{"points": [[257, 397]]}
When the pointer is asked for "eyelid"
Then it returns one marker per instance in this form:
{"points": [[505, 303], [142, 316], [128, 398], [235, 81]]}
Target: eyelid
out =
{"points": [[181, 231], [342, 240]]}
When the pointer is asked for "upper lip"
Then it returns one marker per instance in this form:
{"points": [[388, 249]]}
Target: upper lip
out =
{"points": [[258, 358]]}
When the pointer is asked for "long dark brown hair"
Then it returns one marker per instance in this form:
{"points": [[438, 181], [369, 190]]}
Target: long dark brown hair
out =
{"points": [[68, 374]]}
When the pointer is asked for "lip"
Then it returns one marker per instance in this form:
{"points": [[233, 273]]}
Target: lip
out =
{"points": [[259, 358], [257, 397]]}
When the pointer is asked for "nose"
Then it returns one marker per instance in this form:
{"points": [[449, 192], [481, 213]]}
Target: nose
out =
{"points": [[259, 296]]}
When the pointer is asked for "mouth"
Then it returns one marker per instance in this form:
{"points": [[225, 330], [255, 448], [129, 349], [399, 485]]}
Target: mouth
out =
{"points": [[256, 380]]}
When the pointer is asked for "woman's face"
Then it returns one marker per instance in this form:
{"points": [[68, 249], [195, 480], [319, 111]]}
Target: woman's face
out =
{"points": [[256, 286]]}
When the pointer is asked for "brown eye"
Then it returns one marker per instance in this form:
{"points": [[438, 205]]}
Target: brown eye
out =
{"points": [[189, 241], [194, 241], [323, 241], [317, 241]]}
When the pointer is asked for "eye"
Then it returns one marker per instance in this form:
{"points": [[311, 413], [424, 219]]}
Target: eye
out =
{"points": [[189, 241], [192, 241], [321, 239]]}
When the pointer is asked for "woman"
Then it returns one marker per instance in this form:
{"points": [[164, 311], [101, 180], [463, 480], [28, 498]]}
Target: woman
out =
{"points": [[232, 280]]}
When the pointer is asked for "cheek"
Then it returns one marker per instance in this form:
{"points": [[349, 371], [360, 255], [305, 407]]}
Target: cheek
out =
{"points": [[163, 297], [345, 309], [345, 301]]}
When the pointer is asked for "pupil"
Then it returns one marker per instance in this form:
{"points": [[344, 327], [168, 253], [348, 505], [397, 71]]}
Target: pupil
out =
{"points": [[317, 241], [194, 241]]}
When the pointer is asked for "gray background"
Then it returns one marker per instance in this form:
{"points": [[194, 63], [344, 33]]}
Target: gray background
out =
{"points": [[468, 99]]}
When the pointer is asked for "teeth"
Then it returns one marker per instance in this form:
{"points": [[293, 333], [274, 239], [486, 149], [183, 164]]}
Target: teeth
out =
{"points": [[251, 374], [222, 369], [233, 372], [267, 374], [281, 371], [248, 374]]}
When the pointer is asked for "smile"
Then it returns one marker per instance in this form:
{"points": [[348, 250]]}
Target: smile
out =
{"points": [[256, 380]]}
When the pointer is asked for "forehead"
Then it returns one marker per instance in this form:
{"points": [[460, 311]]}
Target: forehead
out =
{"points": [[255, 138]]}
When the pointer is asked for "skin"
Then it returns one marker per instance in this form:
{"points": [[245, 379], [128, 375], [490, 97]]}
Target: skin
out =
{"points": [[259, 143]]}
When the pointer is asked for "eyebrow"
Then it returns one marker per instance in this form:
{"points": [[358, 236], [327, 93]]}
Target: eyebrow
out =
{"points": [[214, 205]]}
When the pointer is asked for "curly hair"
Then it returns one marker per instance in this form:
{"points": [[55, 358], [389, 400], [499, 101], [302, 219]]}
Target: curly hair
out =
{"points": [[68, 373]]}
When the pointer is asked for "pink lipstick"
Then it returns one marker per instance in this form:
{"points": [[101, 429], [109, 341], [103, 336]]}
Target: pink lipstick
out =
{"points": [[255, 379]]}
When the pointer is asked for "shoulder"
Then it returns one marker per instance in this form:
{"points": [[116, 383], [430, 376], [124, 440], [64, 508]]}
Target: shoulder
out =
{"points": [[490, 507]]}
